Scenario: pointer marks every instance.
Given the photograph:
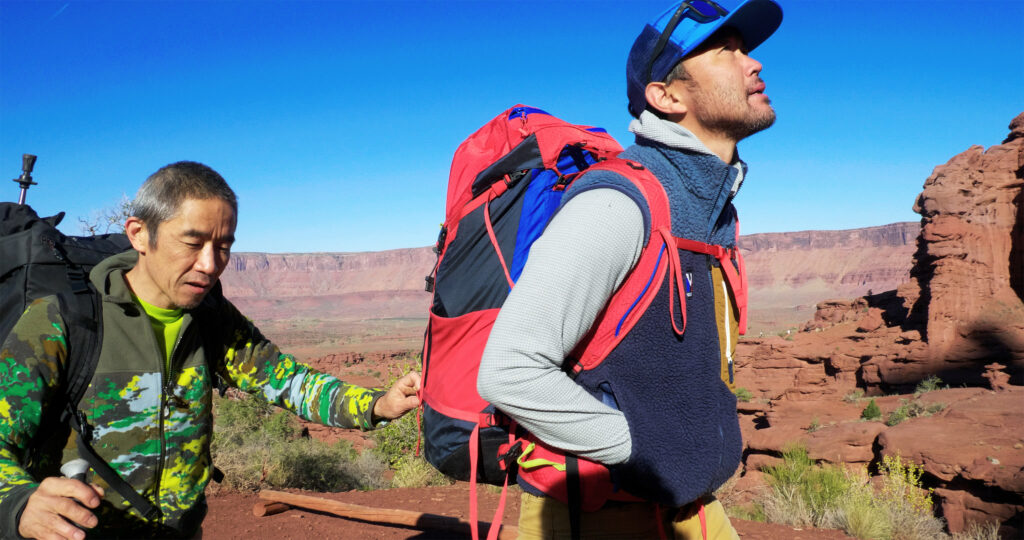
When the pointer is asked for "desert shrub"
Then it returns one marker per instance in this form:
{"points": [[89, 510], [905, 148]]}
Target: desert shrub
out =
{"points": [[860, 516], [808, 492], [414, 471], [783, 504], [742, 394], [853, 396], [750, 512], [370, 471], [912, 409], [815, 425], [979, 531], [802, 493], [871, 412], [398, 439], [929, 384], [256, 446], [899, 414]]}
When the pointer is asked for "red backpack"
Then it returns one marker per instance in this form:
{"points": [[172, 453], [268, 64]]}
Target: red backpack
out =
{"points": [[506, 181]]}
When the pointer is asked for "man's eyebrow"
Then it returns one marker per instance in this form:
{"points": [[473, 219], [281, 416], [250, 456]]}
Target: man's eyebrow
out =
{"points": [[193, 233]]}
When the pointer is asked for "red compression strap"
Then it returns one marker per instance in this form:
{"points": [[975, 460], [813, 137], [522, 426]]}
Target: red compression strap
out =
{"points": [[736, 279], [703, 520], [715, 251], [492, 533], [675, 279], [495, 191], [494, 242], [474, 457]]}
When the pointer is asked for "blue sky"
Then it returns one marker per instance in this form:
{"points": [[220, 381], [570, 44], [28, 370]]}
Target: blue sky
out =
{"points": [[335, 122]]}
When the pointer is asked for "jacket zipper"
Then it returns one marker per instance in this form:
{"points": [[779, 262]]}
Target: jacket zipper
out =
{"points": [[167, 370], [725, 290]]}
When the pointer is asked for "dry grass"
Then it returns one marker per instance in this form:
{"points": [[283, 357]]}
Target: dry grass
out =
{"points": [[803, 493]]}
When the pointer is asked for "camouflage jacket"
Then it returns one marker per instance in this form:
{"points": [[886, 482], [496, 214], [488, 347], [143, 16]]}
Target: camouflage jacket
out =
{"points": [[153, 427]]}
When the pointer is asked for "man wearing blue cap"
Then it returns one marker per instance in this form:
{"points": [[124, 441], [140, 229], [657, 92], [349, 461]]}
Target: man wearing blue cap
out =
{"points": [[665, 424]]}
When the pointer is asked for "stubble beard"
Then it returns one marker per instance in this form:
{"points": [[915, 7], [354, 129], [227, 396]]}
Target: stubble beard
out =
{"points": [[728, 112]]}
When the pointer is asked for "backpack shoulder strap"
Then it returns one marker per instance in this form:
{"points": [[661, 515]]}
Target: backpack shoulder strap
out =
{"points": [[83, 317], [640, 286], [84, 328]]}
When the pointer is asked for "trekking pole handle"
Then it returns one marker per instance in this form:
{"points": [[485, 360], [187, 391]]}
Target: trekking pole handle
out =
{"points": [[28, 162], [75, 469]]}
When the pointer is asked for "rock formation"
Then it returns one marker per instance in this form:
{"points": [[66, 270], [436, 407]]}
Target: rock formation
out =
{"points": [[790, 272], [959, 318]]}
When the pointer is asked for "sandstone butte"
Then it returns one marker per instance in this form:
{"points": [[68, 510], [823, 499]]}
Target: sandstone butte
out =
{"points": [[942, 297], [959, 317]]}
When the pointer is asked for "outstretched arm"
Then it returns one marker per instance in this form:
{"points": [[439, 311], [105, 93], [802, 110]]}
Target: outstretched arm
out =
{"points": [[256, 366]]}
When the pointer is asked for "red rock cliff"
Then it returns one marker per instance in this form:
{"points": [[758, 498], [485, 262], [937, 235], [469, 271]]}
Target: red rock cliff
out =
{"points": [[960, 317]]}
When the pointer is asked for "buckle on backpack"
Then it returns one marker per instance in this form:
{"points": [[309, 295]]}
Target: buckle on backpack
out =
{"points": [[510, 457], [82, 425]]}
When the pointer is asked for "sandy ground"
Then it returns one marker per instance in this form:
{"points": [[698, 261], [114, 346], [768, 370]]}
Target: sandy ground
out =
{"points": [[231, 517]]}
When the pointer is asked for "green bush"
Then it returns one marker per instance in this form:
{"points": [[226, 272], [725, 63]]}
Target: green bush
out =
{"points": [[811, 490], [742, 394], [907, 504], [396, 440], [929, 384], [413, 471], [749, 512], [912, 409], [899, 414], [871, 412], [831, 496], [256, 446]]}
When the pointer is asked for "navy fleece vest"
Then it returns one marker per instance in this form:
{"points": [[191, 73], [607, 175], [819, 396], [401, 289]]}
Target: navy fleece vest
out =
{"points": [[682, 417]]}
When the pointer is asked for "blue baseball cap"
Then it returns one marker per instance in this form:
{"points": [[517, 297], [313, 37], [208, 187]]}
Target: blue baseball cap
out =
{"points": [[682, 28]]}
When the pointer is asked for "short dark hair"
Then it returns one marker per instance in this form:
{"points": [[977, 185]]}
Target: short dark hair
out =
{"points": [[677, 73], [161, 195]]}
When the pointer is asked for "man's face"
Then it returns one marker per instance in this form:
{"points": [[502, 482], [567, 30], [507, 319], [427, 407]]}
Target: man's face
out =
{"points": [[191, 252], [725, 94]]}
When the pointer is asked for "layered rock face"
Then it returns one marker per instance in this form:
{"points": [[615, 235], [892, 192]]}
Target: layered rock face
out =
{"points": [[382, 284], [968, 266], [960, 317], [315, 274], [790, 272]]}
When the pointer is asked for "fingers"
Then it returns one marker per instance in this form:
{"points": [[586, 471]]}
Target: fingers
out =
{"points": [[409, 383], [68, 488], [55, 505], [400, 398]]}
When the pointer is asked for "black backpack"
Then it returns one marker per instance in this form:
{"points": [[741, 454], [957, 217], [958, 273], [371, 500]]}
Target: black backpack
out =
{"points": [[37, 260]]}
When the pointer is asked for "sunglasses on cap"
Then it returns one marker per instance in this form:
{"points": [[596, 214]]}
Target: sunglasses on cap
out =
{"points": [[701, 11]]}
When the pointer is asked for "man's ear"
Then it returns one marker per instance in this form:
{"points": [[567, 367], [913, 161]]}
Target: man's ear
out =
{"points": [[666, 98], [138, 234]]}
